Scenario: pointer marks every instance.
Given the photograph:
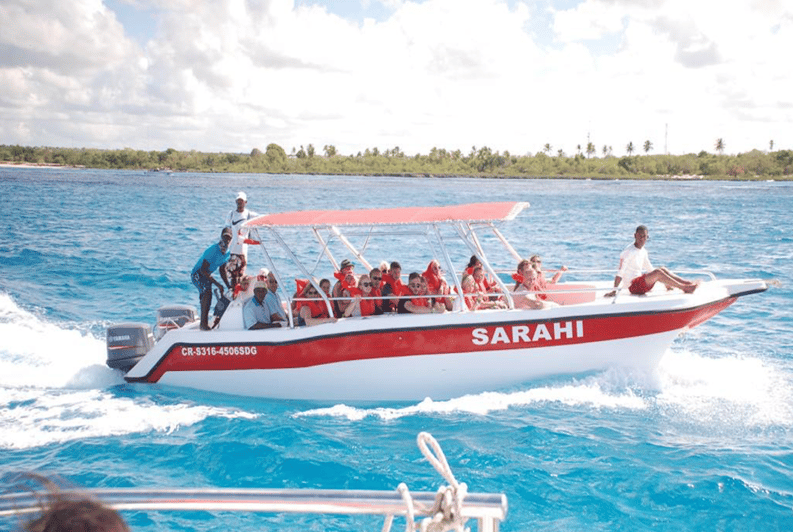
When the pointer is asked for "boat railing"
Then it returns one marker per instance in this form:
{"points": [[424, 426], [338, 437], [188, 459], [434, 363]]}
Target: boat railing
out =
{"points": [[557, 288], [447, 509], [488, 509]]}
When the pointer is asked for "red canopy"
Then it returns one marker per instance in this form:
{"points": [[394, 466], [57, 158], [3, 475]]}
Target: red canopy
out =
{"points": [[473, 212]]}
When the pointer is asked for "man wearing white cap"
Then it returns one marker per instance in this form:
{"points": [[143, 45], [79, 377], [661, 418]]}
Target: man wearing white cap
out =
{"points": [[239, 249], [256, 313]]}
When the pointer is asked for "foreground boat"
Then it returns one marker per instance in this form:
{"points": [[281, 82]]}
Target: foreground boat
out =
{"points": [[413, 356]]}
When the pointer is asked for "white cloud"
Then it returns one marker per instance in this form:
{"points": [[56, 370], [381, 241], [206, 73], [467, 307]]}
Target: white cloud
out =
{"points": [[239, 74]]}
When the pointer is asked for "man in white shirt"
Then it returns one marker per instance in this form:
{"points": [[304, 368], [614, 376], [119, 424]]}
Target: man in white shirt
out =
{"points": [[235, 267], [634, 261]]}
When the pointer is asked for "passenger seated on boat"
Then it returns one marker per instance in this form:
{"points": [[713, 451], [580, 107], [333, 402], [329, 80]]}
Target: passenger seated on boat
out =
{"points": [[300, 286], [392, 286], [257, 313], [419, 304], [360, 306], [472, 262], [315, 311], [634, 260], [324, 284], [376, 276], [541, 282], [483, 284], [344, 276], [523, 295], [243, 287], [436, 283], [476, 300], [273, 300]]}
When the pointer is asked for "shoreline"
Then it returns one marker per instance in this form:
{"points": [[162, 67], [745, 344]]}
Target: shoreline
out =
{"points": [[11, 164], [683, 177]]}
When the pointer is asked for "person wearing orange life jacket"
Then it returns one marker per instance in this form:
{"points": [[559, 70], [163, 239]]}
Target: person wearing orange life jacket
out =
{"points": [[436, 283], [392, 286], [315, 311], [376, 276], [419, 304], [344, 277], [360, 305]]}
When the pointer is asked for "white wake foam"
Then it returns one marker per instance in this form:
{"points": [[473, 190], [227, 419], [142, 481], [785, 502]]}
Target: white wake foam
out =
{"points": [[39, 354], [53, 388], [739, 390]]}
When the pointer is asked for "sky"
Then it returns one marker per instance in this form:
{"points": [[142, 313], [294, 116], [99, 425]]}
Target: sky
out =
{"points": [[511, 75]]}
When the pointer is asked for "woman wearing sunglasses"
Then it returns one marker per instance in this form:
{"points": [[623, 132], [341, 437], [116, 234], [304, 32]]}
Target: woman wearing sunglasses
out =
{"points": [[360, 306], [315, 311]]}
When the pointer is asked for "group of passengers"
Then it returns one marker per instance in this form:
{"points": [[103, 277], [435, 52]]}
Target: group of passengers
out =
{"points": [[381, 291]]}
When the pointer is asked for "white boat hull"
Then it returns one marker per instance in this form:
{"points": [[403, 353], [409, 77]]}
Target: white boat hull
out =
{"points": [[410, 357]]}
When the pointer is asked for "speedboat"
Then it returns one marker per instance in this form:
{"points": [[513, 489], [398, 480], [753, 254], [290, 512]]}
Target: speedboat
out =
{"points": [[394, 357]]}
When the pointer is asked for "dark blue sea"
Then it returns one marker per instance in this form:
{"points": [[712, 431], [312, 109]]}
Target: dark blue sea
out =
{"points": [[704, 443]]}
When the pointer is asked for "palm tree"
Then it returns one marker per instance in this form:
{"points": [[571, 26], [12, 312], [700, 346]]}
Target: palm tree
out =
{"points": [[720, 146], [560, 153], [771, 146], [647, 146], [590, 149], [578, 148], [630, 148], [605, 150], [547, 149]]}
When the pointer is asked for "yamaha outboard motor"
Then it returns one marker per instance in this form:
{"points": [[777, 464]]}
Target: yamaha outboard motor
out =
{"points": [[127, 343]]}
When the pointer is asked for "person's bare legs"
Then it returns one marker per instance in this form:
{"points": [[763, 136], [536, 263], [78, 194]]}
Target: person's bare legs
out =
{"points": [[670, 280]]}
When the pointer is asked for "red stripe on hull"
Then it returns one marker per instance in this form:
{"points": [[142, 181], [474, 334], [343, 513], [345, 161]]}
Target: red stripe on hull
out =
{"points": [[414, 342]]}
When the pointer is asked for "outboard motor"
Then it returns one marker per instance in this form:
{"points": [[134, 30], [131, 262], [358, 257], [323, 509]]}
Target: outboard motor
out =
{"points": [[127, 343], [173, 317]]}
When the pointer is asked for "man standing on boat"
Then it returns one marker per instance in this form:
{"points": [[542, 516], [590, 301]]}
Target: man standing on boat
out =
{"points": [[239, 249], [634, 260], [213, 258]]}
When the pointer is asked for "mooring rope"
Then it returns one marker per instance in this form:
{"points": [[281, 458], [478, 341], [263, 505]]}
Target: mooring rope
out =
{"points": [[446, 512]]}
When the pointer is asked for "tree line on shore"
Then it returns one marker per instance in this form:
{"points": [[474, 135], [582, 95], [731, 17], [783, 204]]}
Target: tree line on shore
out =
{"points": [[480, 162]]}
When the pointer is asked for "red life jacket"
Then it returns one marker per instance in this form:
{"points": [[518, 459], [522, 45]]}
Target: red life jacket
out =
{"points": [[367, 305], [317, 308]]}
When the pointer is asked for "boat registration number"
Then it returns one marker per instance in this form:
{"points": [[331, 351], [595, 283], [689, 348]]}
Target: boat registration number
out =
{"points": [[214, 350]]}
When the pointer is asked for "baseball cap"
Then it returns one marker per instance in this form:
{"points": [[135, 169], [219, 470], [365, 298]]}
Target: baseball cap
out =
{"points": [[242, 196]]}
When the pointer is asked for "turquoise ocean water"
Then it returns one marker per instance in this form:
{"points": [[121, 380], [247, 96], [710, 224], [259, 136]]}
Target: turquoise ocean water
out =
{"points": [[703, 443]]}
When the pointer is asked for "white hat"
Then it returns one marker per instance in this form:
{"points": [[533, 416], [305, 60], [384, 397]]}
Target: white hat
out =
{"points": [[242, 196]]}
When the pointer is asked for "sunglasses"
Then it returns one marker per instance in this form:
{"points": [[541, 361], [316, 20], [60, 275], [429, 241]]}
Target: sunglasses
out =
{"points": [[377, 278], [366, 284]]}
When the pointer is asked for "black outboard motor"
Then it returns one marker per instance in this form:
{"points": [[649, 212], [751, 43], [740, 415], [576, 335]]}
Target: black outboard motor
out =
{"points": [[127, 343]]}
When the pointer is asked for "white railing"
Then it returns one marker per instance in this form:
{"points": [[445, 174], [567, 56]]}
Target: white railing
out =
{"points": [[447, 509], [487, 509]]}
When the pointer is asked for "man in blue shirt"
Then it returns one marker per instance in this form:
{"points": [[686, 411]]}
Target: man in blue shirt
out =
{"points": [[257, 313], [213, 258]]}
